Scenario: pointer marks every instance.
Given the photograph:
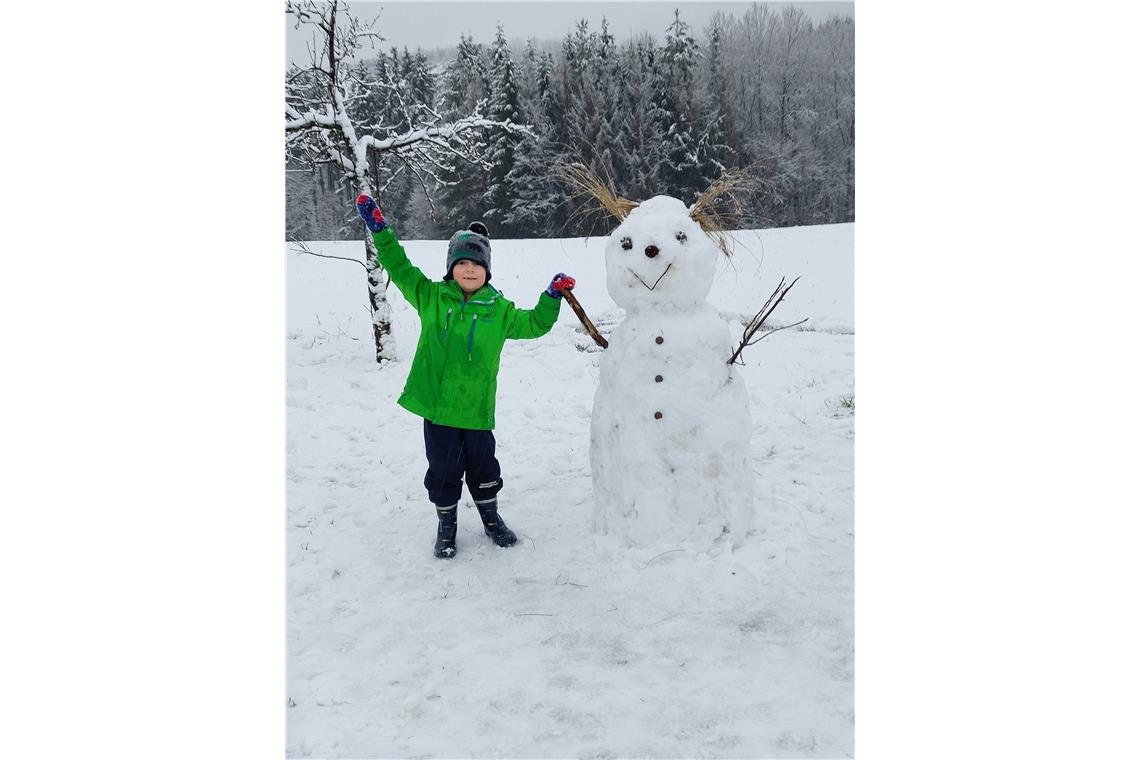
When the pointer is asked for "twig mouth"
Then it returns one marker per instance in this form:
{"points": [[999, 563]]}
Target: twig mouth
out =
{"points": [[658, 279]]}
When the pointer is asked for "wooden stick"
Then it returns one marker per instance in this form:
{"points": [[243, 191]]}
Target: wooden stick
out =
{"points": [[577, 307]]}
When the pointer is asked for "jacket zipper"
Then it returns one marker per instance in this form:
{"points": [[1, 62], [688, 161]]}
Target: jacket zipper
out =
{"points": [[446, 324], [471, 336]]}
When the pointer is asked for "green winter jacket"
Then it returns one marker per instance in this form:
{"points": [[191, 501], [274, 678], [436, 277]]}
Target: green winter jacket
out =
{"points": [[455, 371]]}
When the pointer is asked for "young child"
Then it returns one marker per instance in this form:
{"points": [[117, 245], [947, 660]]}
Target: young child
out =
{"points": [[464, 322]]}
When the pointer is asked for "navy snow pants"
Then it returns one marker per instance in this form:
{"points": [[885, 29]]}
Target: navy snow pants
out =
{"points": [[455, 454]]}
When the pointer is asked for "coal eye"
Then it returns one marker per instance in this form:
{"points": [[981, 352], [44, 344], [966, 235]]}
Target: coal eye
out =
{"points": [[681, 237], [626, 243]]}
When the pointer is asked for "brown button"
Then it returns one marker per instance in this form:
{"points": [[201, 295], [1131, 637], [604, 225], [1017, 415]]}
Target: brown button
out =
{"points": [[658, 379], [657, 415], [660, 340]]}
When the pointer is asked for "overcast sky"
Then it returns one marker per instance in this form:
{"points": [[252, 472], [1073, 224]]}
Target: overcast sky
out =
{"points": [[439, 24]]}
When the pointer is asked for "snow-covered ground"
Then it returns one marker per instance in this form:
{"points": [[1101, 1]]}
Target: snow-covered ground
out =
{"points": [[564, 645]]}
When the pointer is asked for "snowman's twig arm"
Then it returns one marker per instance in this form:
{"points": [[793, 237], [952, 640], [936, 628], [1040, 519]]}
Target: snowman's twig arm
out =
{"points": [[761, 317], [776, 330], [577, 307]]}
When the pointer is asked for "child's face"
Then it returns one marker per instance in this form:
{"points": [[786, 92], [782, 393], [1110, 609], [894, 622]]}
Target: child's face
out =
{"points": [[469, 275]]}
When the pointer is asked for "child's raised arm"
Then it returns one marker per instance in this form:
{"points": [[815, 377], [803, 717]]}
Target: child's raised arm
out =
{"points": [[534, 323], [413, 283]]}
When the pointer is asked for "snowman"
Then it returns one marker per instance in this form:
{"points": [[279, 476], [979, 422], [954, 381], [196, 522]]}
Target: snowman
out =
{"points": [[670, 432]]}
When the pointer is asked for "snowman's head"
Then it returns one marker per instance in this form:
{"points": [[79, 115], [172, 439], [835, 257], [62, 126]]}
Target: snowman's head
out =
{"points": [[659, 257]]}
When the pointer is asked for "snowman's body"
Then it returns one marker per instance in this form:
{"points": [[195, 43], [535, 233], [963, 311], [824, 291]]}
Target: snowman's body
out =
{"points": [[671, 429]]}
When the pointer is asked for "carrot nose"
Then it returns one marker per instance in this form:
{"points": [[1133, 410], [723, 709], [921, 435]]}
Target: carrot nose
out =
{"points": [[651, 251]]}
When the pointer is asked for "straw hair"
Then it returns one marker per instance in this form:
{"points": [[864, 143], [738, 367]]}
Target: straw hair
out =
{"points": [[716, 210], [586, 183], [719, 208]]}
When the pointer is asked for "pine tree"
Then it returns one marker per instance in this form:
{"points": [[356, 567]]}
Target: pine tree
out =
{"points": [[721, 101], [504, 106], [421, 81], [581, 115], [592, 114], [536, 197], [465, 87], [605, 162], [679, 170], [712, 152], [639, 134]]}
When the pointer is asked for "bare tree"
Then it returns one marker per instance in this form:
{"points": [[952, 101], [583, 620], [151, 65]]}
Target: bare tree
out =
{"points": [[320, 129]]}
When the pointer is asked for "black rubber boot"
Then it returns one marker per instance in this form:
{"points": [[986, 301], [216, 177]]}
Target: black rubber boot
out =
{"points": [[445, 533], [493, 525]]}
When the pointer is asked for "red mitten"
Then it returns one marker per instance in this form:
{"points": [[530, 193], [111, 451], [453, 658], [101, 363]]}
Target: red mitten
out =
{"points": [[559, 283]]}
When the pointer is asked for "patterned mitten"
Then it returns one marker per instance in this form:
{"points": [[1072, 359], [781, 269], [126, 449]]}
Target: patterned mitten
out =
{"points": [[371, 214]]}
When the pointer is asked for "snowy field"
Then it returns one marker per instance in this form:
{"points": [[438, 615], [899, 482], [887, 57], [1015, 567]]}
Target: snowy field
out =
{"points": [[565, 645]]}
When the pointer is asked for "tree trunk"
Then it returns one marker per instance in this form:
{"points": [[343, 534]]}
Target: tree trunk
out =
{"points": [[385, 342]]}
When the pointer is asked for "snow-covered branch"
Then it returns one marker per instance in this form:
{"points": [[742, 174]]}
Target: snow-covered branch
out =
{"points": [[446, 132], [411, 144], [320, 100]]}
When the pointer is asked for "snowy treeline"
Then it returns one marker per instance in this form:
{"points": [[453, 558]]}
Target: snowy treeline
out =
{"points": [[772, 91]]}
